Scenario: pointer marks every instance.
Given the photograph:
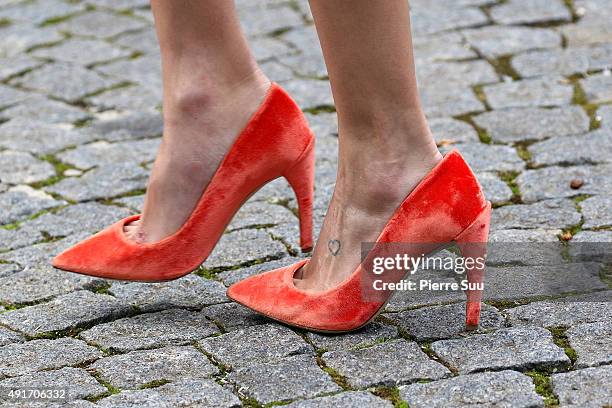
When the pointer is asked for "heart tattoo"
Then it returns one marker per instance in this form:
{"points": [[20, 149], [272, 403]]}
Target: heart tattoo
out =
{"points": [[334, 246]]}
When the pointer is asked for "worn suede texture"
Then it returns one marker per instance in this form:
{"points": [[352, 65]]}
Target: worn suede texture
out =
{"points": [[438, 210], [276, 142]]}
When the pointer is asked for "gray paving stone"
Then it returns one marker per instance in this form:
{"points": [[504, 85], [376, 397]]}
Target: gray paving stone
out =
{"points": [[36, 284], [16, 65], [43, 253], [566, 313], [310, 93], [188, 292], [390, 364], [558, 213], [65, 81], [133, 203], [447, 129], [76, 309], [530, 12], [232, 316], [588, 388], [293, 378], [345, 399], [371, 334], [587, 32], [495, 41], [524, 124], [455, 73], [91, 217], [120, 5], [404, 299], [188, 392], [495, 190], [500, 389], [604, 114], [428, 20], [232, 276], [597, 211], [564, 62], [590, 148], [243, 246], [258, 21], [78, 51], [266, 48], [453, 4], [151, 330], [8, 269], [592, 342], [144, 71], [276, 71], [76, 381], [39, 12], [100, 24], [253, 214], [10, 96], [126, 98], [129, 125], [593, 236], [102, 182], [8, 336], [598, 88], [544, 91], [255, 345], [137, 368], [522, 282], [22, 201], [554, 182], [103, 153], [17, 38], [37, 137], [303, 38], [483, 157], [144, 41], [442, 47], [19, 167], [39, 108], [23, 358], [441, 322], [308, 65], [511, 348], [449, 101]]}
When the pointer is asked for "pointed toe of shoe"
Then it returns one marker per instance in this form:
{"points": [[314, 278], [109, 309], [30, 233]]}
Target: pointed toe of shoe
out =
{"points": [[100, 255]]}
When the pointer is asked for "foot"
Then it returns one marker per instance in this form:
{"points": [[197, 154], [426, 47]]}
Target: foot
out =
{"points": [[199, 129], [364, 199]]}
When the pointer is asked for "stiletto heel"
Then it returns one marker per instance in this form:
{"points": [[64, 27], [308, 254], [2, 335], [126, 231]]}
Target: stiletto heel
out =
{"points": [[275, 142], [448, 205], [472, 243], [301, 180]]}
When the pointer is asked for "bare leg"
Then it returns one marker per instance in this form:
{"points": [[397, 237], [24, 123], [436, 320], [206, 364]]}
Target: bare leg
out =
{"points": [[386, 146], [212, 85]]}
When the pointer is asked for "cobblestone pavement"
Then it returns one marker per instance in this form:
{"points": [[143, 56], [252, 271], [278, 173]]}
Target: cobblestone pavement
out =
{"points": [[521, 87]]}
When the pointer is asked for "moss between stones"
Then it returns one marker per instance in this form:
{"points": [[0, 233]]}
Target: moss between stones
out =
{"points": [[154, 384], [321, 109], [509, 177], [111, 388], [503, 67], [483, 135], [560, 339], [542, 384], [479, 92], [390, 394]]}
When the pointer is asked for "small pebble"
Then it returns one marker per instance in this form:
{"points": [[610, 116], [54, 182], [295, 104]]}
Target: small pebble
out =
{"points": [[576, 184], [72, 173]]}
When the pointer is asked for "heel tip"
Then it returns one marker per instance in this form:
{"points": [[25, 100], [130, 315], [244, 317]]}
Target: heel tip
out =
{"points": [[471, 327]]}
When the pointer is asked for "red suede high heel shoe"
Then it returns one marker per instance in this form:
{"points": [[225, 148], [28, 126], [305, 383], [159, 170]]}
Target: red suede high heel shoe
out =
{"points": [[276, 142], [448, 205]]}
